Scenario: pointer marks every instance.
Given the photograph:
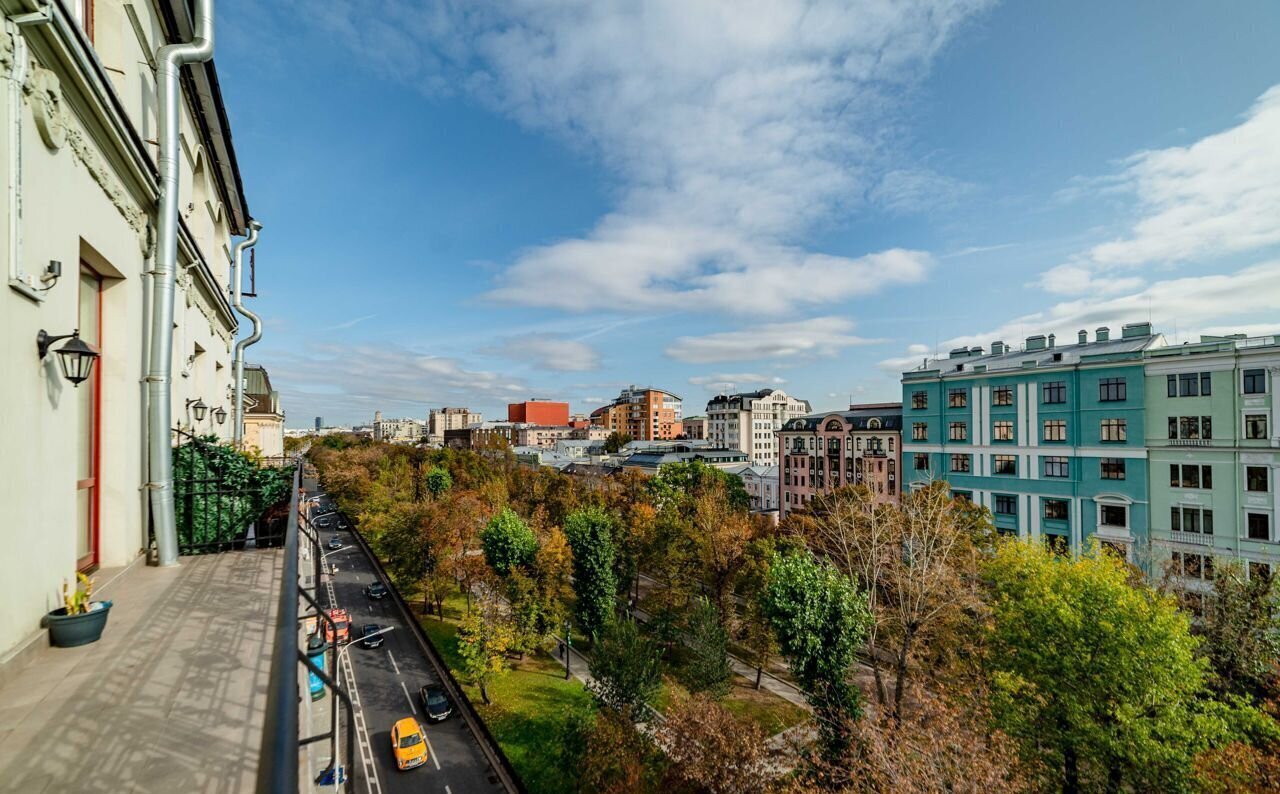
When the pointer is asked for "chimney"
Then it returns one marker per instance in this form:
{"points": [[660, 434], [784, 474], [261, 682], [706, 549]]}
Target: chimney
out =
{"points": [[1084, 337], [1035, 342], [1051, 339], [1104, 334], [997, 348], [1133, 330]]}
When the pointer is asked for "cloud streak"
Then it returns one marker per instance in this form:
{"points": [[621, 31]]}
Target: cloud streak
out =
{"points": [[807, 339]]}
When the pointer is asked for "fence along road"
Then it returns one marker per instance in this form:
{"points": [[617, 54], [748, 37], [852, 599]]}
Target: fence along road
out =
{"points": [[388, 679]]}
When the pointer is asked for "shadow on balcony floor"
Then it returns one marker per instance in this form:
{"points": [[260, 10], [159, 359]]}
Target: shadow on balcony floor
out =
{"points": [[169, 700]]}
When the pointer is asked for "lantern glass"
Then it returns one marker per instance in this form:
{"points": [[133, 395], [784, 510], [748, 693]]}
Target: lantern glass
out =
{"points": [[199, 410], [75, 359], [220, 414]]}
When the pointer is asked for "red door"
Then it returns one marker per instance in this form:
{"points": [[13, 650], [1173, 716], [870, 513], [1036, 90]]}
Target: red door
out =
{"points": [[89, 404]]}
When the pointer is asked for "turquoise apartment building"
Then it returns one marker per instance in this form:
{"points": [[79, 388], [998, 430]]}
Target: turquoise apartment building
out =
{"points": [[1214, 452], [1051, 438]]}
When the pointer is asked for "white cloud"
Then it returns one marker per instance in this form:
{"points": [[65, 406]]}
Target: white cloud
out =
{"points": [[550, 352], [1241, 302], [732, 381], [1078, 279], [1219, 195], [733, 129], [819, 336], [907, 190]]}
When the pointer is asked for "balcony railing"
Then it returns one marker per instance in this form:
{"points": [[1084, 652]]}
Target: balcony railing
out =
{"points": [[1195, 538], [1190, 442]]}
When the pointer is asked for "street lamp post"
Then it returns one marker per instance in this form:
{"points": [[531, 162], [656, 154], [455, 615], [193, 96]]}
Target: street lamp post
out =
{"points": [[568, 649]]}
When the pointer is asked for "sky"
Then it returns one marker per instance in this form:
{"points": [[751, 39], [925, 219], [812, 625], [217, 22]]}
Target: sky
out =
{"points": [[476, 203]]}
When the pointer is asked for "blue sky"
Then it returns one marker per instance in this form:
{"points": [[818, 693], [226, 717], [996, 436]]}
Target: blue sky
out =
{"points": [[468, 204]]}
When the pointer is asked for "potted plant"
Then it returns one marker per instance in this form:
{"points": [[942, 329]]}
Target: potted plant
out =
{"points": [[80, 620]]}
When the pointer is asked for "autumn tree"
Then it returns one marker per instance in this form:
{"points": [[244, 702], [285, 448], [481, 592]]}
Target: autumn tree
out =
{"points": [[483, 641], [1241, 632], [754, 632], [590, 534], [721, 532], [710, 750], [616, 758], [627, 669]]}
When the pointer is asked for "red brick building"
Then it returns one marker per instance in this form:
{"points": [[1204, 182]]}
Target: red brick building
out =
{"points": [[539, 412]]}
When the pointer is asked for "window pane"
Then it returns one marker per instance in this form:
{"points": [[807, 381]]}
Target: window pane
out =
{"points": [[1206, 384]]}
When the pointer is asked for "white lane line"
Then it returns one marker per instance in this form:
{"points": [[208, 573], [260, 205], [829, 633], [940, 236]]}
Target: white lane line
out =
{"points": [[393, 663], [448, 790], [406, 697], [372, 783], [431, 749]]}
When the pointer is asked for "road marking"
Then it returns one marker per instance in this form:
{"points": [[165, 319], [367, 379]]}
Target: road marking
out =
{"points": [[372, 784], [406, 697], [448, 790], [395, 666], [431, 749]]}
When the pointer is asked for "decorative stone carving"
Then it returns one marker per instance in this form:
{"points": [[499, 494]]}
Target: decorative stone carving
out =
{"points": [[8, 53], [45, 94], [88, 155]]}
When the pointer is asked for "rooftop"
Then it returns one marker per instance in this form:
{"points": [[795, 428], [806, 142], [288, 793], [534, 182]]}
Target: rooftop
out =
{"points": [[1041, 351], [887, 416]]}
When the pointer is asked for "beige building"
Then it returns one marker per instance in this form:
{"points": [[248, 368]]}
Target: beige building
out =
{"points": [[79, 223], [397, 430], [750, 421], [263, 416], [442, 419]]}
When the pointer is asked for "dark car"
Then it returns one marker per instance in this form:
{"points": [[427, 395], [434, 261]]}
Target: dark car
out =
{"points": [[335, 542], [369, 636], [376, 591], [324, 521], [435, 703]]}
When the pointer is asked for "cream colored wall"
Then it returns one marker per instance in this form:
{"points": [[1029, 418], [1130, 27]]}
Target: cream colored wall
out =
{"points": [[264, 434], [75, 200]]}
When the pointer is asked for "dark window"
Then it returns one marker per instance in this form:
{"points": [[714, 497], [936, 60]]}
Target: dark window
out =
{"points": [[957, 398], [919, 431], [1055, 392], [1255, 426], [1259, 570], [1115, 429], [1171, 381], [1057, 467], [1113, 468], [1112, 390], [1259, 526], [1206, 427], [959, 431], [1255, 381], [1255, 479], [1002, 430], [1206, 384], [1055, 430], [965, 495], [1114, 515], [1175, 519], [921, 461], [1191, 519], [1173, 427], [960, 463], [1006, 505], [1055, 509], [1006, 464], [1189, 384], [919, 399], [1058, 544], [1002, 395]]}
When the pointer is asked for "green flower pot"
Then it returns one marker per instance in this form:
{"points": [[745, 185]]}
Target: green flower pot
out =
{"points": [[69, 631]]}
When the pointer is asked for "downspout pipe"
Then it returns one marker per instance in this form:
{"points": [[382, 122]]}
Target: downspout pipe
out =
{"points": [[237, 406], [169, 62]]}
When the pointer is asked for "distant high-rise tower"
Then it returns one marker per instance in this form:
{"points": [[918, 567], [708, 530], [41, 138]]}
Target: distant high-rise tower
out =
{"points": [[377, 416], [319, 423]]}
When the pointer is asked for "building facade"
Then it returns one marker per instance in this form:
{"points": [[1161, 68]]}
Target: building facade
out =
{"points": [[822, 452], [78, 224], [263, 416], [1214, 456], [761, 484], [642, 412], [750, 422], [442, 419], [1049, 437], [539, 412], [397, 430], [694, 427]]}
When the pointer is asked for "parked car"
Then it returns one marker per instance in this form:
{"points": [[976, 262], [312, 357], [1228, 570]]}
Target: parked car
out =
{"points": [[377, 591], [408, 744], [342, 623], [335, 543], [369, 636], [435, 703]]}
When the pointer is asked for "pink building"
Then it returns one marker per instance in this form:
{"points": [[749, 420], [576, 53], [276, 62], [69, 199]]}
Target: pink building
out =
{"points": [[821, 452]]}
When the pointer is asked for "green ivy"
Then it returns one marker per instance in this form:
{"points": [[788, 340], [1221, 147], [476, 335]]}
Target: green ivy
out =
{"points": [[219, 492]]}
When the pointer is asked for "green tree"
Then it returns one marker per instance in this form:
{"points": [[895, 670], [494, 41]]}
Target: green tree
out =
{"points": [[680, 483], [590, 533], [707, 669], [616, 441], [820, 621], [483, 641], [438, 481], [508, 542], [1241, 631], [1098, 678], [627, 668]]}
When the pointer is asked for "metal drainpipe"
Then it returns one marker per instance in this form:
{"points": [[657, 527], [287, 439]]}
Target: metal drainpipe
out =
{"points": [[237, 402], [169, 62]]}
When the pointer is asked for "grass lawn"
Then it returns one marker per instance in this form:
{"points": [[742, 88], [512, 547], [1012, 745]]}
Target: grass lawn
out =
{"points": [[531, 704], [744, 701]]}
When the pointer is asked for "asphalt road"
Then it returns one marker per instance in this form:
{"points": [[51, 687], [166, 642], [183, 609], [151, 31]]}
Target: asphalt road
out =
{"points": [[387, 680]]}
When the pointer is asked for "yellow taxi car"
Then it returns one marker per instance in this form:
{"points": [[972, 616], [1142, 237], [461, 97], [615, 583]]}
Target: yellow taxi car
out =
{"points": [[408, 743]]}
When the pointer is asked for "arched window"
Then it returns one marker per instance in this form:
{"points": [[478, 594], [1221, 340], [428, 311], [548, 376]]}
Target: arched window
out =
{"points": [[873, 423]]}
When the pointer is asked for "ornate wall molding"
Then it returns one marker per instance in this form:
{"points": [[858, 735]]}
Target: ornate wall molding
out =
{"points": [[44, 93]]}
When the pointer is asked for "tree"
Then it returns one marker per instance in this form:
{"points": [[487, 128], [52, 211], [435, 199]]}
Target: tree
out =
{"points": [[508, 543], [707, 669], [722, 532], [1098, 679], [627, 669], [438, 481], [483, 641], [820, 621], [1241, 631], [615, 441], [616, 758], [710, 750], [680, 483], [590, 535]]}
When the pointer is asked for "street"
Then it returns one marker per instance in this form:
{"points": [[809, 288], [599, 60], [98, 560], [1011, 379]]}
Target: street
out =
{"points": [[385, 688]]}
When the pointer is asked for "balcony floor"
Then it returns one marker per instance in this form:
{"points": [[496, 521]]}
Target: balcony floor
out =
{"points": [[169, 700]]}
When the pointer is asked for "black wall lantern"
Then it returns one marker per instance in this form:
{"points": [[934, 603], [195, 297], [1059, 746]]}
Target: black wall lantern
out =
{"points": [[220, 414], [198, 409], [75, 358]]}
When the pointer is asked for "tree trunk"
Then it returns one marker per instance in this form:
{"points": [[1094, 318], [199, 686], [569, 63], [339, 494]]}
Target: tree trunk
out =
{"points": [[759, 672], [484, 694], [1071, 771], [1115, 776], [901, 671]]}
